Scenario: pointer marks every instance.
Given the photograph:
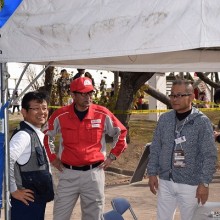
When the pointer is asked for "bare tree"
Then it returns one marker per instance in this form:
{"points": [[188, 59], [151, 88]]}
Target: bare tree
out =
{"points": [[44, 83], [31, 75]]}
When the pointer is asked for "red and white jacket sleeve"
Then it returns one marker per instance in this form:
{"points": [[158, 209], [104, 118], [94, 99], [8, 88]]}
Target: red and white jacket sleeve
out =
{"points": [[50, 130], [114, 128]]}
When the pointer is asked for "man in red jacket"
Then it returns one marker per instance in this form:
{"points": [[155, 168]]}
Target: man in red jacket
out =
{"points": [[81, 159]]}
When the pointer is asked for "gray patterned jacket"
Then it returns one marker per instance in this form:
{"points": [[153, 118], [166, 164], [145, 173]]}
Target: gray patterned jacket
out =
{"points": [[199, 148]]}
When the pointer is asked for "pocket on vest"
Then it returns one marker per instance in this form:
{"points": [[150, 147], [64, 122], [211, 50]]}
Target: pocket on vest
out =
{"points": [[40, 182]]}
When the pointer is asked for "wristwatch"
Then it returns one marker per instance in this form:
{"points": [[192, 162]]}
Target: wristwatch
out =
{"points": [[112, 156], [205, 184]]}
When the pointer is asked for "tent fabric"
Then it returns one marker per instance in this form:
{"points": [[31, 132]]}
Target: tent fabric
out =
{"points": [[115, 34], [189, 60]]}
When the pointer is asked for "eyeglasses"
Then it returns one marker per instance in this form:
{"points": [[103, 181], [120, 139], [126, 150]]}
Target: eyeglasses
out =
{"points": [[39, 109], [178, 96], [86, 93]]}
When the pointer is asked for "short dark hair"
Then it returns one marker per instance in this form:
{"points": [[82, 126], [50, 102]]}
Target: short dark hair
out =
{"points": [[63, 71], [217, 96], [34, 95]]}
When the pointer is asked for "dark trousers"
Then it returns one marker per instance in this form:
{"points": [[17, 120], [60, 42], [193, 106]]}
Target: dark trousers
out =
{"points": [[20, 211], [14, 107]]}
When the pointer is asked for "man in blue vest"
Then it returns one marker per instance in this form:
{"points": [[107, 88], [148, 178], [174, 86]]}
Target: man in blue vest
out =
{"points": [[31, 184]]}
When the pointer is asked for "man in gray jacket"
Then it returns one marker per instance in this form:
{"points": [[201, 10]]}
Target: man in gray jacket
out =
{"points": [[183, 154]]}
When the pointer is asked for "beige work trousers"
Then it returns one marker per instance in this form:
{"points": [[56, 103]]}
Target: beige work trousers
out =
{"points": [[88, 185]]}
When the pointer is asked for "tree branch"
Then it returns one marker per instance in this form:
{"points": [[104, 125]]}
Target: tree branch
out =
{"points": [[158, 95], [204, 78]]}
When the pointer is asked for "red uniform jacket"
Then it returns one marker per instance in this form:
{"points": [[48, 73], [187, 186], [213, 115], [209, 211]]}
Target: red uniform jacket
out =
{"points": [[83, 142]]}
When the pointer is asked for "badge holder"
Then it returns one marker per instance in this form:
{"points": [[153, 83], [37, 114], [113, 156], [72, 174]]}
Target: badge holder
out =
{"points": [[179, 158]]}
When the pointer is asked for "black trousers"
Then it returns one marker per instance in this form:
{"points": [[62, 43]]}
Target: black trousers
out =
{"points": [[20, 211]]}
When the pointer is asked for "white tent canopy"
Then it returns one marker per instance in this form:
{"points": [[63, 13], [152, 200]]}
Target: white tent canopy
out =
{"points": [[115, 34]]}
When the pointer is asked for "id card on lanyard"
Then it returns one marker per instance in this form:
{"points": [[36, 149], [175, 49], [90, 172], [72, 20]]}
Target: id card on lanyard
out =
{"points": [[179, 158], [178, 154]]}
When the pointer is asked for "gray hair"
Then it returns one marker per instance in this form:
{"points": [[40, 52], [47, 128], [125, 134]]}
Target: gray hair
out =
{"points": [[187, 83]]}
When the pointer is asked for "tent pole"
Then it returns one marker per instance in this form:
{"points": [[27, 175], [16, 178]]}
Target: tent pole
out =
{"points": [[4, 99], [19, 80], [2, 151], [37, 77]]}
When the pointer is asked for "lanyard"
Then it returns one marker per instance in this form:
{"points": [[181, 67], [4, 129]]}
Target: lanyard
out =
{"points": [[178, 132]]}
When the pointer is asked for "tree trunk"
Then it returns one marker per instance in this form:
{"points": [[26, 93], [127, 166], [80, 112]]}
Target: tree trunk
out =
{"points": [[216, 77], [116, 82], [49, 75], [130, 83]]}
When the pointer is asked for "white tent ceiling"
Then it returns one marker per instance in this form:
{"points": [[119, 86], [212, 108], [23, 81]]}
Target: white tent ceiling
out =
{"points": [[115, 34]]}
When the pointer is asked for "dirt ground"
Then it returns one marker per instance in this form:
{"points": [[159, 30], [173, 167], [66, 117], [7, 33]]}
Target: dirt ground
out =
{"points": [[128, 160]]}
